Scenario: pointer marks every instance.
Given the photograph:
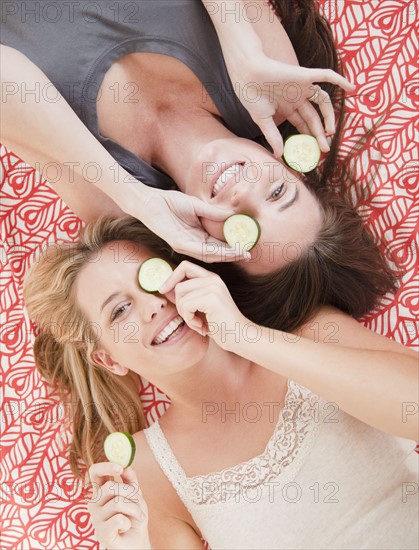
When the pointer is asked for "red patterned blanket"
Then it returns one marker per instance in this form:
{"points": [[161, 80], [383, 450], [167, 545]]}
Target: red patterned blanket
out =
{"points": [[42, 505]]}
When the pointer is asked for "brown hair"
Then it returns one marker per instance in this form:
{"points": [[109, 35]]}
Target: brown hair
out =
{"points": [[98, 402], [343, 268]]}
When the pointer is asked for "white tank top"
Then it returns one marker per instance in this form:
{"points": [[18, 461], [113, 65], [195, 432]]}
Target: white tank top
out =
{"points": [[325, 480]]}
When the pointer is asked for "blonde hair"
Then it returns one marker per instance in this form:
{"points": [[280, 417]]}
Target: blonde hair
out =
{"points": [[100, 402]]}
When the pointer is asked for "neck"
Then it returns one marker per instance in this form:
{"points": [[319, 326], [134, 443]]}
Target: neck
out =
{"points": [[220, 377], [180, 138]]}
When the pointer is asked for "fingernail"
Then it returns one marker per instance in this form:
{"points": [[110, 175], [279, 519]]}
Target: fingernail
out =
{"points": [[162, 289], [329, 140], [117, 469], [247, 256]]}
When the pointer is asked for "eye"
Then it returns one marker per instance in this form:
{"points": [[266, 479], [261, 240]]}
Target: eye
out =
{"points": [[117, 312], [279, 191]]}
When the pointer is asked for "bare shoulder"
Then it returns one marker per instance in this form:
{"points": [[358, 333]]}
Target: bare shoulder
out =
{"points": [[169, 520], [154, 483], [331, 326]]}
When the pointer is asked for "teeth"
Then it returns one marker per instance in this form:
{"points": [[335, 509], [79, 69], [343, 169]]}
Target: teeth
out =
{"points": [[225, 176], [168, 330]]}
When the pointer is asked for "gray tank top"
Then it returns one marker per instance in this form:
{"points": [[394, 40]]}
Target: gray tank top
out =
{"points": [[74, 43]]}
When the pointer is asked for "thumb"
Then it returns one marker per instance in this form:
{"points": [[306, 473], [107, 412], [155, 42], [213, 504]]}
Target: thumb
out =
{"points": [[129, 476], [272, 135], [214, 213]]}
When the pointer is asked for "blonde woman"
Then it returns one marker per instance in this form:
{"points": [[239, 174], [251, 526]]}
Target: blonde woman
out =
{"points": [[271, 441]]}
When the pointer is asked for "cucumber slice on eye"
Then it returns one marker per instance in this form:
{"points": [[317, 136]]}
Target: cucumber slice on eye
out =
{"points": [[119, 447], [302, 152], [242, 230], [153, 274]]}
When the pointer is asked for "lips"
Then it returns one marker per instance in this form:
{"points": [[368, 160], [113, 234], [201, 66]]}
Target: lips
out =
{"points": [[170, 329], [228, 174]]}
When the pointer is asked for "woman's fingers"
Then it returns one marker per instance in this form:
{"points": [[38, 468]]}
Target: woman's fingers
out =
{"points": [[116, 490], [118, 510], [307, 121], [114, 526], [185, 270], [193, 306], [209, 252], [186, 278], [100, 472], [214, 213], [123, 506], [102, 488], [211, 249], [322, 99], [326, 109], [273, 137], [196, 298], [312, 119], [129, 476], [327, 75], [191, 299], [297, 120], [103, 494]]}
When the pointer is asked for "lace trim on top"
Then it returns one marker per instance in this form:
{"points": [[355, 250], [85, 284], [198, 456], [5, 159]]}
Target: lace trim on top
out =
{"points": [[296, 420]]}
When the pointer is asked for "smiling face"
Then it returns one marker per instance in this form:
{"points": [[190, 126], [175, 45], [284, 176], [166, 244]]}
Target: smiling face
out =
{"points": [[243, 176], [138, 330]]}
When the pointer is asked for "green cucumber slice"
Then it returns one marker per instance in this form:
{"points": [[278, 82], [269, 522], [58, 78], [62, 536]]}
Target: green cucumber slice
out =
{"points": [[153, 274], [302, 152], [243, 230], [120, 448]]}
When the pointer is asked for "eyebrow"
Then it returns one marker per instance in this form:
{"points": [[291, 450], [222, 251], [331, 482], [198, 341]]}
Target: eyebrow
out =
{"points": [[108, 300], [290, 202]]}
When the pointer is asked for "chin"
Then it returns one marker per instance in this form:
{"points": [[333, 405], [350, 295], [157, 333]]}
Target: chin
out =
{"points": [[197, 350], [185, 355]]}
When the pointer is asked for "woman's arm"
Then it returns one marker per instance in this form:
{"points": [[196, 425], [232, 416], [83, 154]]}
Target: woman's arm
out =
{"points": [[122, 520], [258, 52], [49, 136], [247, 28], [366, 375], [370, 378], [86, 176]]}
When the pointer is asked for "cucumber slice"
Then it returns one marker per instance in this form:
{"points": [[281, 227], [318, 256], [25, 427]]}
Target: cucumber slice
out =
{"points": [[120, 448], [302, 153], [243, 230], [153, 274]]}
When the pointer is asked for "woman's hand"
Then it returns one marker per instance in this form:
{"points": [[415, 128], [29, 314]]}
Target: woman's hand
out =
{"points": [[267, 87], [174, 216], [118, 510], [272, 83], [205, 303]]}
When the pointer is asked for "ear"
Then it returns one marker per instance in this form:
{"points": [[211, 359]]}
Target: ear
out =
{"points": [[105, 360]]}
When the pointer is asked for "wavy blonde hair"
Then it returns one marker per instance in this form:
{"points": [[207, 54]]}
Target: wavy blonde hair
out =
{"points": [[100, 402]]}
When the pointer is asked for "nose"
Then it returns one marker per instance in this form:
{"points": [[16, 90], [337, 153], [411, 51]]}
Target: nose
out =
{"points": [[245, 196], [150, 306]]}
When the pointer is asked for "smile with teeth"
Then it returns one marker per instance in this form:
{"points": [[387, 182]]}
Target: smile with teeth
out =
{"points": [[229, 174], [170, 331]]}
